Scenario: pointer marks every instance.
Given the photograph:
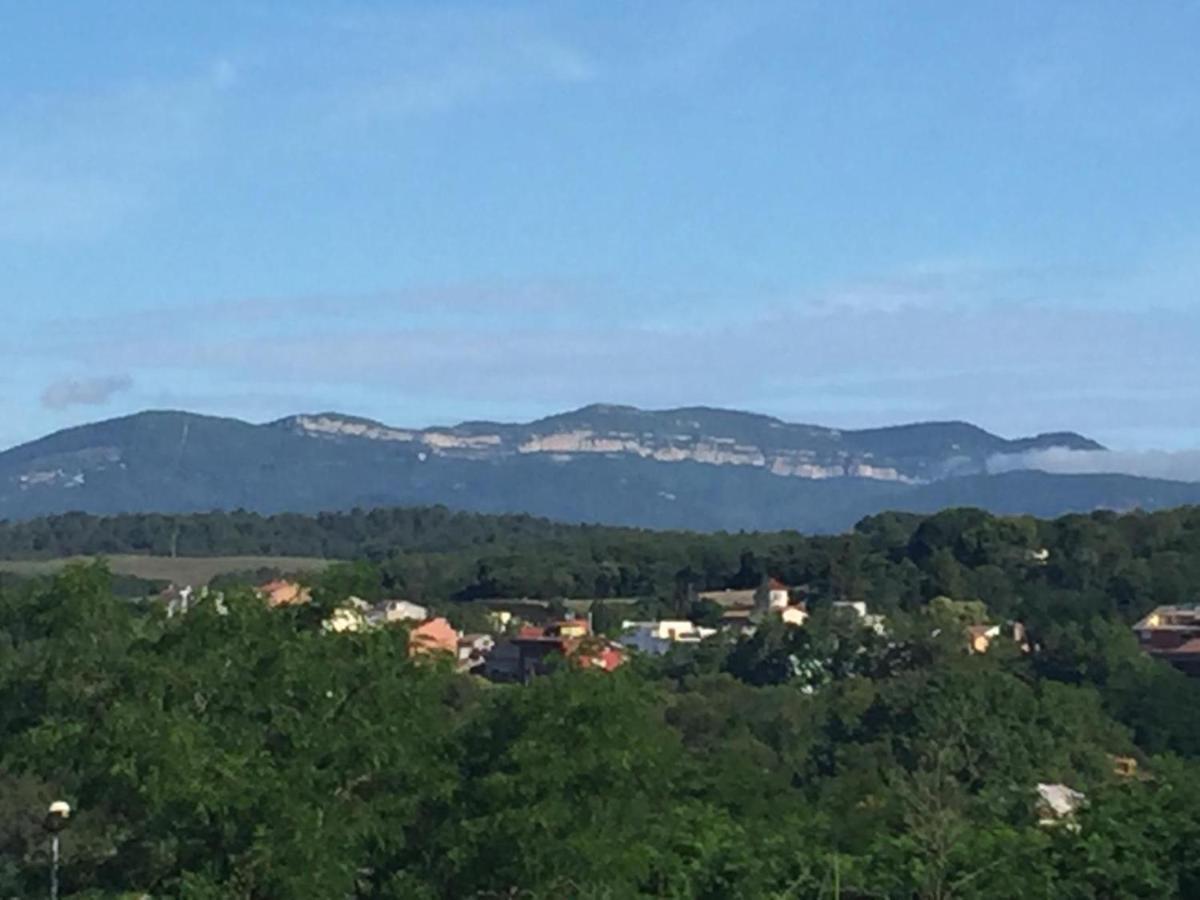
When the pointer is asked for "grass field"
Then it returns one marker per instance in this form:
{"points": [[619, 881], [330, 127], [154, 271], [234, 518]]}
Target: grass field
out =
{"points": [[180, 570]]}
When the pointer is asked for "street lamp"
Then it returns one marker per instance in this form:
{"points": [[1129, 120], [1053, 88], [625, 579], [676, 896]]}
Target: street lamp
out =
{"points": [[55, 821]]}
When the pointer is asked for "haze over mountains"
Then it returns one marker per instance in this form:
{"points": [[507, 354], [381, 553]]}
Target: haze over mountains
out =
{"points": [[696, 468]]}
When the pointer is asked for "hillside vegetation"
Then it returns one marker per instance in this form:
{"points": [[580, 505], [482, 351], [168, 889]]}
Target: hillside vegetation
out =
{"points": [[240, 752], [1101, 564]]}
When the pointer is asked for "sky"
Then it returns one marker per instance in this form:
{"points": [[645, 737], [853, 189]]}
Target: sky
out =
{"points": [[851, 214]]}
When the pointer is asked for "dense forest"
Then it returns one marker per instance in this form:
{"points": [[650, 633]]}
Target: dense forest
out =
{"points": [[249, 755], [1098, 564]]}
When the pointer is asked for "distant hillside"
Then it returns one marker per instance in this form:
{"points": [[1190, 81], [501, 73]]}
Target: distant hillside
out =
{"points": [[695, 468]]}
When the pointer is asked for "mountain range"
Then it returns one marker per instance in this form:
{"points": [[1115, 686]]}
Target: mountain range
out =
{"points": [[695, 468]]}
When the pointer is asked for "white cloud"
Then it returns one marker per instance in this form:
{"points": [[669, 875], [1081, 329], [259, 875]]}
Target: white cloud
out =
{"points": [[1179, 465], [84, 391]]}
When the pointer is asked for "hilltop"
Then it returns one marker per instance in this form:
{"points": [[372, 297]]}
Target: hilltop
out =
{"points": [[696, 468]]}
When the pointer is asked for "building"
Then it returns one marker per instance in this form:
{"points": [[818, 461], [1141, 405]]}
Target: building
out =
{"points": [[500, 619], [351, 617], [795, 615], [1125, 766], [505, 662], [599, 654], [738, 620], [434, 635], [530, 651], [657, 638], [1172, 633], [1057, 805], [730, 599], [576, 628], [473, 651], [284, 593], [980, 637], [772, 596], [177, 600], [388, 612]]}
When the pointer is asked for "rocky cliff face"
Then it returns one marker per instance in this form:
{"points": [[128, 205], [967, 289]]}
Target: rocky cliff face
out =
{"points": [[919, 453]]}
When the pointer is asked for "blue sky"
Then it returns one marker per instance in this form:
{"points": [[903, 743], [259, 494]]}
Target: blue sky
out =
{"points": [[846, 213]]}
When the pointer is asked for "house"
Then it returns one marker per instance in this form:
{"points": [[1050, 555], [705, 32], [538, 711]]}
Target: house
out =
{"points": [[1172, 633], [500, 619], [473, 650], [738, 620], [505, 662], [980, 637], [570, 628], [795, 615], [284, 593], [1125, 766], [657, 638], [1057, 804], [387, 612], [730, 599], [772, 596], [351, 617], [530, 650], [432, 636], [177, 599], [600, 654]]}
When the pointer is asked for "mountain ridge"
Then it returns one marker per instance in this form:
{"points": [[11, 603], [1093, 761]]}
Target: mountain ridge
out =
{"points": [[692, 467]]}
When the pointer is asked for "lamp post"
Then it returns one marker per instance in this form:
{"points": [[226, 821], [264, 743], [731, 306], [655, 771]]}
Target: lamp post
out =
{"points": [[55, 822]]}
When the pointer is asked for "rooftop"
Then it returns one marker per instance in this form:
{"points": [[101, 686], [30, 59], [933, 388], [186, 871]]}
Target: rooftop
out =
{"points": [[1170, 618]]}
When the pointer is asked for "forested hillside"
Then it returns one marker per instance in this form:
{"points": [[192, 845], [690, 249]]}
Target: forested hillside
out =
{"points": [[240, 752], [1100, 563]]}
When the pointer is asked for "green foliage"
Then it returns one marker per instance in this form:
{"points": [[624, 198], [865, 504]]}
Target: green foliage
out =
{"points": [[239, 752], [605, 619]]}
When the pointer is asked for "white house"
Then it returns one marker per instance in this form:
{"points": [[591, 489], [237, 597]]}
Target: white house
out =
{"points": [[656, 638], [390, 611], [473, 650], [351, 616], [178, 600], [793, 615], [1057, 803]]}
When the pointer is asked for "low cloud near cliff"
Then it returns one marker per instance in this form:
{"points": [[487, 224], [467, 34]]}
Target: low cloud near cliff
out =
{"points": [[1178, 465]]}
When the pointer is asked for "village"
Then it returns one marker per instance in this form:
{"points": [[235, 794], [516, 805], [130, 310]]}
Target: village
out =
{"points": [[516, 649], [519, 645]]}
